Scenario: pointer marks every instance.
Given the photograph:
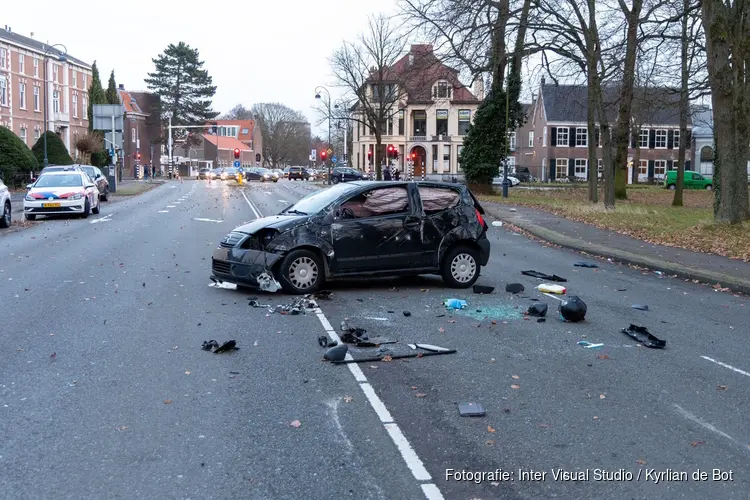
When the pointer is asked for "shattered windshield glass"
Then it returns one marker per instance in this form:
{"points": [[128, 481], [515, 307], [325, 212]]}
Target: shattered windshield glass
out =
{"points": [[314, 203]]}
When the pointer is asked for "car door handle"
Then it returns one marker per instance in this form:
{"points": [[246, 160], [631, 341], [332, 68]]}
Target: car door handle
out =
{"points": [[411, 221]]}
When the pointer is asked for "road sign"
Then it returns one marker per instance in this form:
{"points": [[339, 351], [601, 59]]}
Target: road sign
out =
{"points": [[112, 152], [330, 151], [313, 154], [334, 159], [237, 163]]}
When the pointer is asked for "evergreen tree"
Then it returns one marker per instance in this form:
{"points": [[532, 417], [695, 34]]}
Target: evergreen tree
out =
{"points": [[96, 94], [184, 86], [111, 95], [15, 156], [57, 153]]}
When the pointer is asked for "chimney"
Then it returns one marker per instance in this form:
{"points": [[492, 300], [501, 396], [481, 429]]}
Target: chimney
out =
{"points": [[543, 81], [479, 88], [32, 34], [121, 86]]}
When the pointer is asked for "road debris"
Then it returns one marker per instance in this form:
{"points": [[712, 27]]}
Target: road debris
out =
{"points": [[483, 289], [544, 276], [213, 346], [514, 288], [322, 295], [431, 351], [556, 289], [337, 353], [573, 309], [268, 283], [538, 310], [643, 336], [586, 264], [640, 307], [455, 304], [588, 345], [324, 341], [471, 410], [407, 313]]}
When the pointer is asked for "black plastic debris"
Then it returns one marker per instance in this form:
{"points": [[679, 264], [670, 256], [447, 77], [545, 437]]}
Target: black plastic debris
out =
{"points": [[324, 341], [407, 313], [352, 329], [640, 307], [337, 353], [573, 309], [544, 276], [643, 336], [586, 264], [255, 303], [538, 310], [213, 346], [298, 306], [471, 410], [514, 288], [481, 289], [622, 289], [322, 295], [397, 356], [541, 320]]}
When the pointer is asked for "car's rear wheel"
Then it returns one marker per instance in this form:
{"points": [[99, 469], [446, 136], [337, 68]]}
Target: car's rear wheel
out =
{"points": [[709, 188], [335, 180], [6, 218], [301, 272], [460, 268], [671, 187], [105, 196]]}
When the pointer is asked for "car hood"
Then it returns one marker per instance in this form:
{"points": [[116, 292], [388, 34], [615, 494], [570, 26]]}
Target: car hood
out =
{"points": [[280, 222], [44, 193]]}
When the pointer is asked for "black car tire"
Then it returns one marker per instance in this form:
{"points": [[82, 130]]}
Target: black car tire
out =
{"points": [[294, 269], [335, 180], [460, 267], [30, 216], [86, 209], [105, 196], [96, 209], [5, 219]]}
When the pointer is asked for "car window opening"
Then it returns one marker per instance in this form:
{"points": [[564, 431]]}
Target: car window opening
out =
{"points": [[438, 199], [377, 202]]}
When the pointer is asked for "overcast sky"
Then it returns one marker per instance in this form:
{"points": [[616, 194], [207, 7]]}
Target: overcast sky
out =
{"points": [[256, 50]]}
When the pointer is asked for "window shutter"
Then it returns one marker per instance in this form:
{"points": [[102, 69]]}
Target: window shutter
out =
{"points": [[571, 167], [651, 139], [634, 138], [572, 137], [670, 140], [553, 136], [651, 168], [552, 167]]}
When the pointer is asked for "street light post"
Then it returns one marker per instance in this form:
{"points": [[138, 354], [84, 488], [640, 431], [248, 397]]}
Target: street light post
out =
{"points": [[60, 57], [318, 90]]}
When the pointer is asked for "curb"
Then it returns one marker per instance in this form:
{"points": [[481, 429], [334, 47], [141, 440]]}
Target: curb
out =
{"points": [[684, 272]]}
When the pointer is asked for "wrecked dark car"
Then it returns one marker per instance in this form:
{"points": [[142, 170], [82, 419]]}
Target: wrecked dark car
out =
{"points": [[360, 229]]}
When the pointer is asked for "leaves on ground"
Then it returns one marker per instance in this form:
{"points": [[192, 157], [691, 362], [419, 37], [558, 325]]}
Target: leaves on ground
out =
{"points": [[122, 428], [604, 356], [514, 386], [441, 329], [640, 461], [348, 399], [722, 387], [696, 443], [420, 395], [490, 428], [414, 388], [167, 401], [602, 396], [515, 377], [387, 358], [295, 423]]}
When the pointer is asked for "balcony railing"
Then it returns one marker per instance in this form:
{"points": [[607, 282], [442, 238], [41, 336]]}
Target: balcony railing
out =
{"points": [[60, 117], [441, 138], [417, 138]]}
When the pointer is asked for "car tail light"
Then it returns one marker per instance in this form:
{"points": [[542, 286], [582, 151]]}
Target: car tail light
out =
{"points": [[481, 219]]}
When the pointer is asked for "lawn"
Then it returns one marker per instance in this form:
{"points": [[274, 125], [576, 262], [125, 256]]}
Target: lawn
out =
{"points": [[648, 214], [132, 189]]}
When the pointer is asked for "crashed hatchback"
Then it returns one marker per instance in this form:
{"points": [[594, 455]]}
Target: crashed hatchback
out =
{"points": [[359, 230]]}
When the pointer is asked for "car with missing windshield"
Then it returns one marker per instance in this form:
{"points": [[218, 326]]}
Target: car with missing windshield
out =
{"points": [[63, 192], [361, 229]]}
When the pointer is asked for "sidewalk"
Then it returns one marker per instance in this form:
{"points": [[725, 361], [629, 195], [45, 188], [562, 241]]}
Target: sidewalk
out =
{"points": [[707, 268]]}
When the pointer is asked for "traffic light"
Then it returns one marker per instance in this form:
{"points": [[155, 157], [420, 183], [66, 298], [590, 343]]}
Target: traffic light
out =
{"points": [[390, 149], [414, 156], [323, 155], [236, 153], [369, 154], [138, 156]]}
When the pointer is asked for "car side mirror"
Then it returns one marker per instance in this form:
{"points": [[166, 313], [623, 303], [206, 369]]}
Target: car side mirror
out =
{"points": [[28, 186], [90, 185]]}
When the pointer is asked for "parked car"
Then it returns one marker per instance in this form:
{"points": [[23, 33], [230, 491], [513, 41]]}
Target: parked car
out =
{"points": [[361, 229], [60, 168], [230, 173], [346, 174], [66, 192], [499, 180], [261, 174], [298, 173], [279, 173], [523, 174], [5, 215], [692, 180], [204, 173], [102, 184]]}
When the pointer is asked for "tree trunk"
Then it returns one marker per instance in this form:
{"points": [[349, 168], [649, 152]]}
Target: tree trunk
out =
{"points": [[625, 114], [636, 156], [609, 174], [499, 49], [378, 154], [684, 104], [726, 53], [593, 170]]}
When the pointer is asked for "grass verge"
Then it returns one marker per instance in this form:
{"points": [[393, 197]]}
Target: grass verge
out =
{"points": [[647, 215], [135, 189]]}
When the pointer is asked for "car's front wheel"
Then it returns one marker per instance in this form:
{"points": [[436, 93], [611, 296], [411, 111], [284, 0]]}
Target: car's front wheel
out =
{"points": [[460, 268], [671, 187], [6, 217], [301, 272], [97, 208], [105, 196], [335, 180], [709, 187], [86, 209]]}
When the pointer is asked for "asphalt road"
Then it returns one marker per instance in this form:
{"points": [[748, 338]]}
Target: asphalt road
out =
{"points": [[129, 406]]}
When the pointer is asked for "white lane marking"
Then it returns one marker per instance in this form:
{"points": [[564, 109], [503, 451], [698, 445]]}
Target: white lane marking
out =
{"points": [[377, 404], [171, 206], [283, 201], [106, 218], [267, 193], [163, 211], [177, 202], [201, 219], [702, 422], [410, 456], [376, 319], [432, 492], [252, 207], [742, 372]]}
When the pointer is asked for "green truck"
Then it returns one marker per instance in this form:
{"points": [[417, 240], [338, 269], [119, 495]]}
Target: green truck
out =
{"points": [[693, 180]]}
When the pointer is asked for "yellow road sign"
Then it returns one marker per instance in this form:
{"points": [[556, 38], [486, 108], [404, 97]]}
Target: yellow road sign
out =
{"points": [[330, 151]]}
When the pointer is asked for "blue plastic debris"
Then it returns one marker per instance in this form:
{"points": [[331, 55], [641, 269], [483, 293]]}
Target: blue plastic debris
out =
{"points": [[455, 304], [588, 345]]}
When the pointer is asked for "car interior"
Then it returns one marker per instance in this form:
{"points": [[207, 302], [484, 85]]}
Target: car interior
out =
{"points": [[375, 203]]}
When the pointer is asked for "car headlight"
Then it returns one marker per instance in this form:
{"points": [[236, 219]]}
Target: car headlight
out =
{"points": [[76, 196], [266, 176], [29, 198]]}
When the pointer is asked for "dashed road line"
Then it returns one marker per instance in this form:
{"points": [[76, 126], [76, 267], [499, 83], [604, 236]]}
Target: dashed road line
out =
{"points": [[257, 213], [737, 370], [163, 211], [171, 206]]}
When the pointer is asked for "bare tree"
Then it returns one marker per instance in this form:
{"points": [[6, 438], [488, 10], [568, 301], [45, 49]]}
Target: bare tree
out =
{"points": [[727, 34], [286, 134], [88, 144], [239, 112], [374, 85]]}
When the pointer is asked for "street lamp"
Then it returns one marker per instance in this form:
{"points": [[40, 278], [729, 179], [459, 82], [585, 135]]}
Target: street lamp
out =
{"points": [[318, 90], [60, 57]]}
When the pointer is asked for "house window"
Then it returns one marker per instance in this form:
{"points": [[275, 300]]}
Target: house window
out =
{"points": [[544, 137], [85, 107], [643, 168], [132, 134], [23, 134], [459, 151], [464, 120], [56, 101], [441, 90], [512, 141], [561, 167], [441, 122], [22, 95], [582, 139], [562, 136], [75, 78], [661, 139], [580, 167], [36, 66], [22, 64], [660, 168], [55, 68], [3, 55], [419, 126], [85, 79], [447, 158], [511, 161], [531, 139], [643, 138], [400, 122], [245, 131], [3, 92], [390, 126], [36, 98], [600, 167], [677, 140], [75, 105]]}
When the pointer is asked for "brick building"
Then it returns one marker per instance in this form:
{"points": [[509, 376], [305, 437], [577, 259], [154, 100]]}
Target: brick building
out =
{"points": [[142, 132]]}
